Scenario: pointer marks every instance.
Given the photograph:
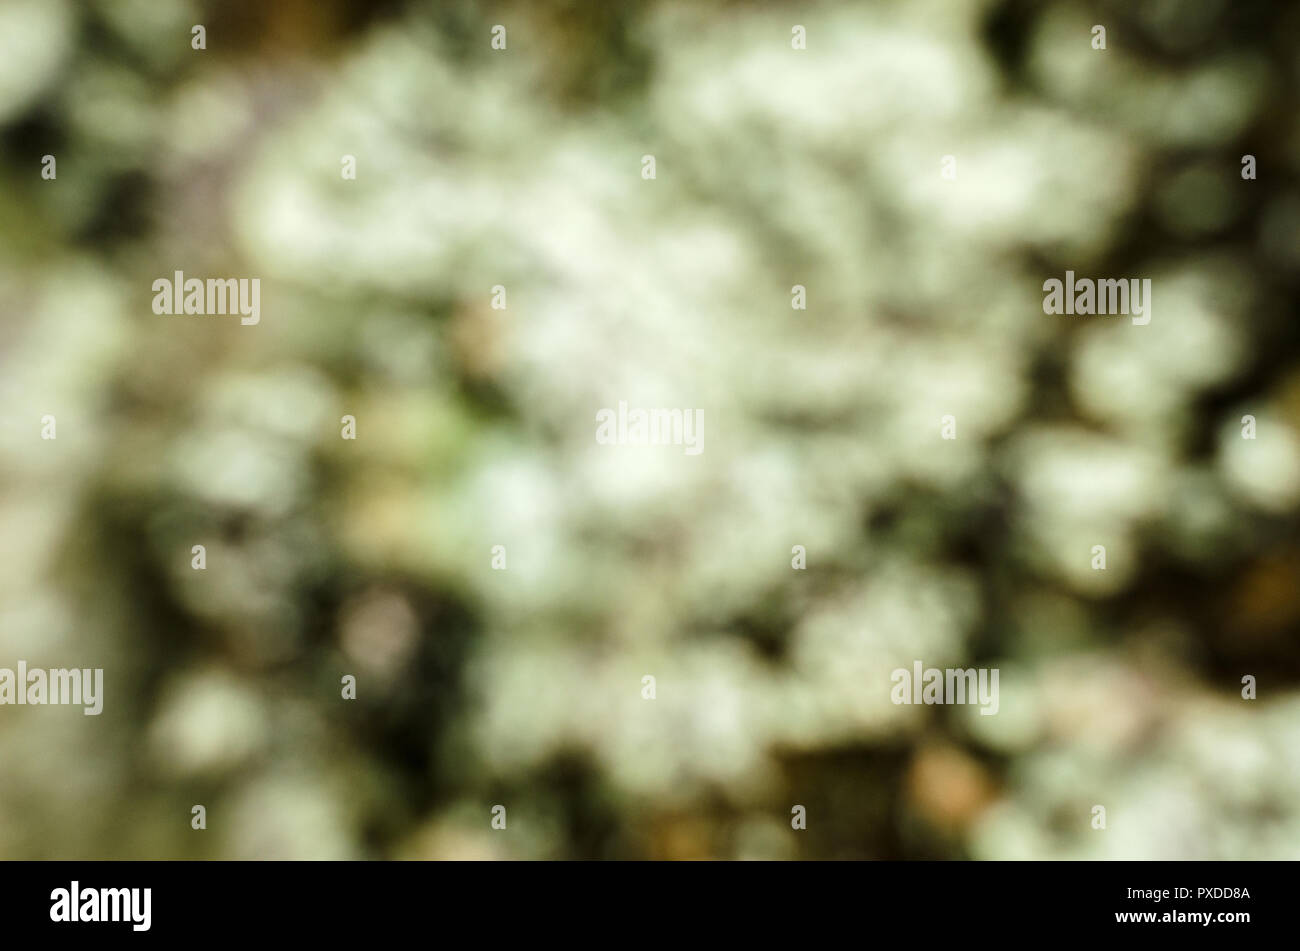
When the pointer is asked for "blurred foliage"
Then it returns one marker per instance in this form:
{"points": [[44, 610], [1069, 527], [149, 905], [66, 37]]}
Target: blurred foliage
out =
{"points": [[475, 428]]}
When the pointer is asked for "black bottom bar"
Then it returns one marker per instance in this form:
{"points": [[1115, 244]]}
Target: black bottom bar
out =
{"points": [[458, 901]]}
